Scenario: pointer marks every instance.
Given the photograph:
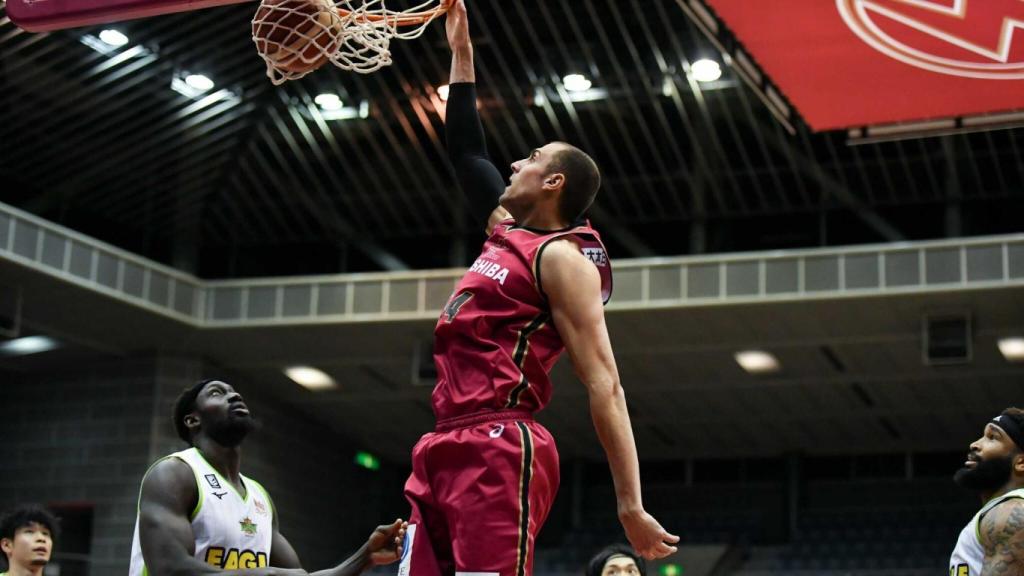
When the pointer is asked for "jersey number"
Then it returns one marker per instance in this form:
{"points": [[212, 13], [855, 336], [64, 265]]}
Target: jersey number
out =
{"points": [[455, 304]]}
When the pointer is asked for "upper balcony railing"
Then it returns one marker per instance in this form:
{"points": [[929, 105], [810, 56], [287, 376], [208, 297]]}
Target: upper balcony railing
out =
{"points": [[650, 283]]}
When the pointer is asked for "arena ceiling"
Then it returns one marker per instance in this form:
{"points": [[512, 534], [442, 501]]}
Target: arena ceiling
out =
{"points": [[249, 179]]}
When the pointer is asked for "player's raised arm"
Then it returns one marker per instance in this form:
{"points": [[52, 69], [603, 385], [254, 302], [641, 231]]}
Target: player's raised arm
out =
{"points": [[573, 287], [467, 149]]}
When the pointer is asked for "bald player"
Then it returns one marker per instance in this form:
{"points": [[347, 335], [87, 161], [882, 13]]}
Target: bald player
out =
{"points": [[484, 481]]}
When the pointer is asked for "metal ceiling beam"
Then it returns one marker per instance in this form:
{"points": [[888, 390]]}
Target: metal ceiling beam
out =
{"points": [[953, 222], [335, 222], [812, 168]]}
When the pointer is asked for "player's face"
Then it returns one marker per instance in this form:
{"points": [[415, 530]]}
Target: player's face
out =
{"points": [[526, 184], [223, 414], [989, 461], [31, 545]]}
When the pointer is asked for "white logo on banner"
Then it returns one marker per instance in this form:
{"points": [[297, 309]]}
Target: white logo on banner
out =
{"points": [[993, 62]]}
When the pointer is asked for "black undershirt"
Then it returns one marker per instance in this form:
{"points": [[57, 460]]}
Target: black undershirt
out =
{"points": [[467, 151]]}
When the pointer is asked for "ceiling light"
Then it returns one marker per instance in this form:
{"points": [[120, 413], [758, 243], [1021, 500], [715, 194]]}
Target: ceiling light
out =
{"points": [[442, 92], [1012, 348], [576, 83], [310, 378], [328, 101], [706, 70], [199, 82], [757, 361], [668, 87], [113, 37], [28, 345], [539, 98]]}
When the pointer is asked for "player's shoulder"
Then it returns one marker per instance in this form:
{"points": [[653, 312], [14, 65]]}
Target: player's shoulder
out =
{"points": [[565, 251], [170, 473], [1002, 524], [565, 269]]}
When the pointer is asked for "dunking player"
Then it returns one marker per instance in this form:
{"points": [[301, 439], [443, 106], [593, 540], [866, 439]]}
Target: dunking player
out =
{"points": [[199, 515], [483, 482], [993, 541]]}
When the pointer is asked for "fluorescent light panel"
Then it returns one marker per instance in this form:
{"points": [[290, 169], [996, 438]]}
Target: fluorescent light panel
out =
{"points": [[1012, 348], [28, 345], [347, 112], [310, 378], [757, 361]]}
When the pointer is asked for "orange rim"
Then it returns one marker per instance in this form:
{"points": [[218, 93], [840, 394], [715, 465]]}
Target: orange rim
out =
{"points": [[403, 19]]}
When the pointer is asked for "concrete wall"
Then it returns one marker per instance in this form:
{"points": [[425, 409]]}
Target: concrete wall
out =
{"points": [[80, 437]]}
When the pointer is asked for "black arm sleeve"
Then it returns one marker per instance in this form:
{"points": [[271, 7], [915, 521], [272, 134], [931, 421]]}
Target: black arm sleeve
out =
{"points": [[467, 151]]}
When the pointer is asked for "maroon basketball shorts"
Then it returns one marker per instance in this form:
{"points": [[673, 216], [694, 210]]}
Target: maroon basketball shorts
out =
{"points": [[480, 491]]}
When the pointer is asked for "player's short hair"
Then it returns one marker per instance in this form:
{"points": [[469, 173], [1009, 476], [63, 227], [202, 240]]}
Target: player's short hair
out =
{"points": [[596, 564], [582, 180], [24, 516], [184, 405]]}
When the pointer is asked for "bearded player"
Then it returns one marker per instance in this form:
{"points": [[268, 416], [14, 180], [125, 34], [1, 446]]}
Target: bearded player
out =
{"points": [[993, 541], [483, 482]]}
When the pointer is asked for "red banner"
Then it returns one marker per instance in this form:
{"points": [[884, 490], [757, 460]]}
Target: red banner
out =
{"points": [[853, 63]]}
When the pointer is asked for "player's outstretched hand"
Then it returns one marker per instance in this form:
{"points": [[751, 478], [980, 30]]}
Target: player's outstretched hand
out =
{"points": [[457, 26], [385, 544], [647, 536]]}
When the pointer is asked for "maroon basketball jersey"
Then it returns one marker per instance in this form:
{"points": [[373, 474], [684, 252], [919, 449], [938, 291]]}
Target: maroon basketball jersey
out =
{"points": [[495, 343]]}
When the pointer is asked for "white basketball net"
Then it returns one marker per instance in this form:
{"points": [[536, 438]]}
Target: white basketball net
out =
{"points": [[354, 35]]}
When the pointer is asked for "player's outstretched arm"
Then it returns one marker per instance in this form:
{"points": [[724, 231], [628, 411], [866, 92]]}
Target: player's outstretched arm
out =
{"points": [[384, 546], [168, 495], [1002, 536], [573, 286], [467, 148]]}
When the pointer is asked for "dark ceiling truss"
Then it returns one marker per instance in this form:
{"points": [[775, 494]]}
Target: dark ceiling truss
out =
{"points": [[101, 140]]}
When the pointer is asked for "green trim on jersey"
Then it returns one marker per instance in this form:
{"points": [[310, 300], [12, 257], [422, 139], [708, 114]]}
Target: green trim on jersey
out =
{"points": [[230, 486], [202, 495]]}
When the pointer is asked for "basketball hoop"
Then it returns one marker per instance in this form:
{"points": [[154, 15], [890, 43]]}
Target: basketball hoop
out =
{"points": [[295, 37]]}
